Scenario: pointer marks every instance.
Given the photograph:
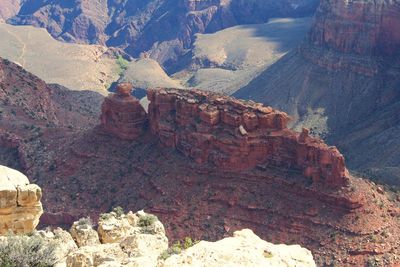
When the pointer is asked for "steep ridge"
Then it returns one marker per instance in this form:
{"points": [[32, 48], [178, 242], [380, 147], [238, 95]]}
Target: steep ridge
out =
{"points": [[343, 82], [84, 169], [162, 28], [29, 108]]}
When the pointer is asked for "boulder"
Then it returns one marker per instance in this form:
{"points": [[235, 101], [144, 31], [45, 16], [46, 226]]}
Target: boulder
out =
{"points": [[20, 206], [83, 233]]}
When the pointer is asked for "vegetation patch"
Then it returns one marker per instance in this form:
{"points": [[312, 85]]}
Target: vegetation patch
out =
{"points": [[32, 251]]}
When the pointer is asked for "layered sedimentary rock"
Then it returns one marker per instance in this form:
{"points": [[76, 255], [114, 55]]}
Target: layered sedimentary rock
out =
{"points": [[122, 114], [361, 27], [84, 171], [20, 206], [236, 135], [343, 82]]}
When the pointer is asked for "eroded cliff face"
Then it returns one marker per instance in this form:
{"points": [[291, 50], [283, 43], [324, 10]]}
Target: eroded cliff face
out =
{"points": [[20, 206], [343, 82], [234, 135], [360, 27]]}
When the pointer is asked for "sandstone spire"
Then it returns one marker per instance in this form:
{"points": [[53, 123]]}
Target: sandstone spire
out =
{"points": [[122, 114]]}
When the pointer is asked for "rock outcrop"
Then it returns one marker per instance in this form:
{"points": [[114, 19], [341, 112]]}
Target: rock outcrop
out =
{"points": [[243, 249], [143, 243], [122, 114], [126, 240], [224, 132], [236, 135], [20, 206], [359, 27], [343, 83]]}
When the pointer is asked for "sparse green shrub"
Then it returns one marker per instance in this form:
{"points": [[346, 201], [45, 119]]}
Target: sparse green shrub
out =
{"points": [[119, 211], [188, 242], [147, 220], [165, 255], [122, 64], [104, 216], [85, 222], [176, 248], [21, 251]]}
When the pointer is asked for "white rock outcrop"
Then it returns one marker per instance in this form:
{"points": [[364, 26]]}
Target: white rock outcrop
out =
{"points": [[244, 249], [133, 239], [83, 233], [20, 206]]}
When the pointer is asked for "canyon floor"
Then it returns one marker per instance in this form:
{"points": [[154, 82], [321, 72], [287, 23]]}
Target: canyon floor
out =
{"points": [[76, 66], [226, 60], [222, 62]]}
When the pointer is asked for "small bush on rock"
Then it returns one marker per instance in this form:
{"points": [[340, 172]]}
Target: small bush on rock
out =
{"points": [[147, 220], [104, 216], [119, 211], [85, 222], [24, 251]]}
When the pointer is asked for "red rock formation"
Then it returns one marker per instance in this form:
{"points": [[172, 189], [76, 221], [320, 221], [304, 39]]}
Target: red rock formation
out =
{"points": [[122, 114], [347, 73], [83, 171], [361, 27], [237, 135]]}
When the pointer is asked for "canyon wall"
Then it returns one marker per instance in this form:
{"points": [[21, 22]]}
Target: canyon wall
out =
{"points": [[225, 133], [360, 27], [233, 134], [343, 82]]}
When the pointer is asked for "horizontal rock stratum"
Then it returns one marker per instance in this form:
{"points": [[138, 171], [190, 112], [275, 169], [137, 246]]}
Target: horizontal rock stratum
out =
{"points": [[20, 206], [225, 132]]}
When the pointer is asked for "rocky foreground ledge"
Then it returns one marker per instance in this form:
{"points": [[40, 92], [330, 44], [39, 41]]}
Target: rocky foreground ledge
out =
{"points": [[138, 239]]}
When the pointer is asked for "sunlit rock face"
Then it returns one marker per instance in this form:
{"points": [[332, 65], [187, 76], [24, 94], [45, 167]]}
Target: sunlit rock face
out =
{"points": [[236, 135], [20, 206]]}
